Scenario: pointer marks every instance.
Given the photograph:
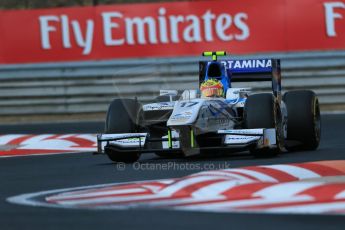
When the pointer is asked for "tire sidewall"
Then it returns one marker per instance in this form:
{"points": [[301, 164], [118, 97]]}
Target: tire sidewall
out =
{"points": [[263, 111], [304, 121], [122, 117]]}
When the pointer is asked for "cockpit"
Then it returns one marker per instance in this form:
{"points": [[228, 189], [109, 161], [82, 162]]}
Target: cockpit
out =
{"points": [[214, 70]]}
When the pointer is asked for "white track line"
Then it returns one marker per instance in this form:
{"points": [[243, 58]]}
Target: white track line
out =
{"points": [[61, 197], [217, 188], [42, 154], [309, 208], [180, 185], [226, 174], [340, 195], [285, 190], [230, 205], [5, 139], [260, 176], [298, 172]]}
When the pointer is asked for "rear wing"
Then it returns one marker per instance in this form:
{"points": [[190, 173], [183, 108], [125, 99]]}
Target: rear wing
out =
{"points": [[248, 70]]}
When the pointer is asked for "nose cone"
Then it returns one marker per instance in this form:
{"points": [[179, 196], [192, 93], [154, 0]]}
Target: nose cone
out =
{"points": [[185, 112]]}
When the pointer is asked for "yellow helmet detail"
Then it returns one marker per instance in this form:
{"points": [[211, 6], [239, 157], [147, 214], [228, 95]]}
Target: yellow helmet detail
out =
{"points": [[212, 88]]}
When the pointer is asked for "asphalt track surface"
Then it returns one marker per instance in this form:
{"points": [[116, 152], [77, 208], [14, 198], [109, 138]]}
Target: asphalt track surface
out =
{"points": [[29, 174]]}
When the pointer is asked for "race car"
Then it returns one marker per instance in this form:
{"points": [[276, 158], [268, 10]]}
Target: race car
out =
{"points": [[216, 117]]}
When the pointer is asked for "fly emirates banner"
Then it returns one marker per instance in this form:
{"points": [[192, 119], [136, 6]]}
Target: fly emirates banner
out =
{"points": [[170, 29]]}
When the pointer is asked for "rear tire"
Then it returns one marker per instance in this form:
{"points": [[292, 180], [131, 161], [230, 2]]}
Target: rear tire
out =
{"points": [[304, 122], [262, 111], [122, 117]]}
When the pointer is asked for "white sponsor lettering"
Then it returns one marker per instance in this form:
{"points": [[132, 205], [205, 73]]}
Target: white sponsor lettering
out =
{"points": [[128, 139], [65, 36], [163, 35], [140, 24], [86, 41], [159, 106], [223, 23], [161, 28], [245, 64], [238, 139], [331, 16], [47, 27], [108, 25], [241, 25], [192, 31], [242, 131]]}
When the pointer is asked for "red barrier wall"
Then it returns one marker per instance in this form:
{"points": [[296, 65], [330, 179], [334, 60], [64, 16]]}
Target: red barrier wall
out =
{"points": [[170, 29]]}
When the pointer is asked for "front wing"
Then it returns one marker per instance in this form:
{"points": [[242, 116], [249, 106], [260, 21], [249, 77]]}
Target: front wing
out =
{"points": [[235, 139]]}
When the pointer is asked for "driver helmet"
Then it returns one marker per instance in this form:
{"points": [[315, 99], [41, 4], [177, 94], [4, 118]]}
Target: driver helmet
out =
{"points": [[212, 88]]}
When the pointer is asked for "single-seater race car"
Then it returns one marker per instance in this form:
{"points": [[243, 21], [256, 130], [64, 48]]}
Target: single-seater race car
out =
{"points": [[215, 118]]}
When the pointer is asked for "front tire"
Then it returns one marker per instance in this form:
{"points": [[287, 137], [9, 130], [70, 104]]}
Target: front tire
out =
{"points": [[122, 117], [263, 111], [304, 121]]}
